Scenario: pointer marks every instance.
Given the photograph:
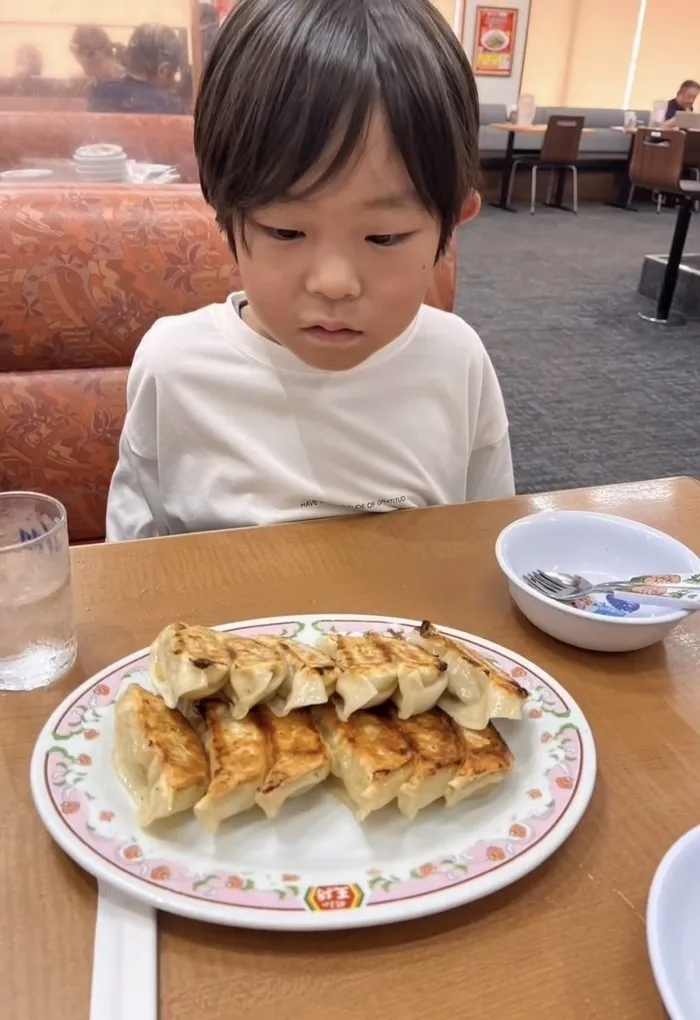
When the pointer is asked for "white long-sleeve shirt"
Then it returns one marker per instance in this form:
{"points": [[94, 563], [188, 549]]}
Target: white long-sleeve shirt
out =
{"points": [[226, 429]]}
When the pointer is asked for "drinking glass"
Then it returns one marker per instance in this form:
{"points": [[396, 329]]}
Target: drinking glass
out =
{"points": [[37, 627]]}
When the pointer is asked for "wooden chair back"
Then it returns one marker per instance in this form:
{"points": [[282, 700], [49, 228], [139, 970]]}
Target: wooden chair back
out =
{"points": [[691, 152], [657, 159], [562, 140]]}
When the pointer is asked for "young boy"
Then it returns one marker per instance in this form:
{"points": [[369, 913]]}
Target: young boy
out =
{"points": [[337, 142]]}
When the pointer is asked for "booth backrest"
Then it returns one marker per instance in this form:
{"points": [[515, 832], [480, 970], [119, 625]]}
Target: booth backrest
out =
{"points": [[84, 273], [153, 138]]}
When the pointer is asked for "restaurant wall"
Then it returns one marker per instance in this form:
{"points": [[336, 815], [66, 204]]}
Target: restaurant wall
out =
{"points": [[49, 24], [579, 51], [493, 89], [447, 8], [669, 50]]}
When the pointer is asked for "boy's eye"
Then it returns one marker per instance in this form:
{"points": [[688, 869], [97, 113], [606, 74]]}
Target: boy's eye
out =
{"points": [[387, 240], [282, 235]]}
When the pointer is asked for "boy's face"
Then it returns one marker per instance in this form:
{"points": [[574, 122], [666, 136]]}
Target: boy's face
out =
{"points": [[338, 275], [687, 97]]}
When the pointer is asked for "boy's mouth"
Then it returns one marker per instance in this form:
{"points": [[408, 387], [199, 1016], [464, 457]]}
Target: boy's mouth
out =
{"points": [[333, 333]]}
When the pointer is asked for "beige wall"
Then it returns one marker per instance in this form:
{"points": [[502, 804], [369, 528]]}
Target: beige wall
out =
{"points": [[49, 24], [548, 53], [579, 51], [669, 52], [447, 9]]}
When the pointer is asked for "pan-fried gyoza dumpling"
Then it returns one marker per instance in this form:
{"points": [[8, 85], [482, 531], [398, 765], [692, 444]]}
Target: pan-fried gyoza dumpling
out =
{"points": [[257, 670], [157, 755], [437, 748], [188, 663], [369, 754], [422, 678], [487, 760], [238, 762], [375, 668], [367, 671], [297, 755], [310, 677], [477, 690]]}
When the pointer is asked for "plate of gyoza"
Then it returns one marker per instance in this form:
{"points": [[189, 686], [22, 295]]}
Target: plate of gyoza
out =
{"points": [[314, 773]]}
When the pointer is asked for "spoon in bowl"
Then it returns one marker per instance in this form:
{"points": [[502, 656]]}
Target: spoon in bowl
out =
{"points": [[569, 587]]}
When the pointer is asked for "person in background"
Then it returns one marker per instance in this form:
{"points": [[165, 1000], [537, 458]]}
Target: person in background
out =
{"points": [[152, 59], [338, 143], [683, 103], [209, 22], [29, 63], [100, 60]]}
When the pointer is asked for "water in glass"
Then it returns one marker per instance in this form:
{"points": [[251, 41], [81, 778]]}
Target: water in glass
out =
{"points": [[37, 631]]}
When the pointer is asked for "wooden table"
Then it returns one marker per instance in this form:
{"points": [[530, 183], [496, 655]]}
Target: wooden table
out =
{"points": [[566, 942], [523, 129]]}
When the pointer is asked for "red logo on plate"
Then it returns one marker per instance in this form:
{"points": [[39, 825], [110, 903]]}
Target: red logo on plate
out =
{"points": [[334, 897]]}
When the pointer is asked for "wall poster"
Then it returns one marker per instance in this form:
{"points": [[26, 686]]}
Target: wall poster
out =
{"points": [[494, 41]]}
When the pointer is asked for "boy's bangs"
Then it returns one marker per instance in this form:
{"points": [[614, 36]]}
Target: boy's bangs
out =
{"points": [[316, 150], [290, 88]]}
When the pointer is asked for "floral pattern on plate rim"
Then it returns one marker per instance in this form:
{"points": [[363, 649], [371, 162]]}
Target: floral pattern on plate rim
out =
{"points": [[67, 781]]}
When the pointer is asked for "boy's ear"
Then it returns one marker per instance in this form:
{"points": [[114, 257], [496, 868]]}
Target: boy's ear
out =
{"points": [[471, 208]]}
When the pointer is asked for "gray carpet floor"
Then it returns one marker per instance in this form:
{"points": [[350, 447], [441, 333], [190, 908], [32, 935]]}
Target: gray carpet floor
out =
{"points": [[594, 394]]}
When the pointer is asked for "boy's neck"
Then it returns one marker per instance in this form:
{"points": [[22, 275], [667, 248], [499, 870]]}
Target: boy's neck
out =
{"points": [[252, 322]]}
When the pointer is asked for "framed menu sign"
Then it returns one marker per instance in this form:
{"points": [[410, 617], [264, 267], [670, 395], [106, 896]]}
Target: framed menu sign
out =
{"points": [[494, 41]]}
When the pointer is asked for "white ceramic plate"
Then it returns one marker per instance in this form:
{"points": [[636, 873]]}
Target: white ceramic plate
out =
{"points": [[673, 927], [26, 175], [315, 867]]}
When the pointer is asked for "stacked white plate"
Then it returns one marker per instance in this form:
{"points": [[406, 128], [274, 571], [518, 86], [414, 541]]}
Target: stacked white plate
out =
{"points": [[100, 164]]}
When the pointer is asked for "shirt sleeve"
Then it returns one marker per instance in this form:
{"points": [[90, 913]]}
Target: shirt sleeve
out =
{"points": [[490, 472], [490, 467], [134, 504]]}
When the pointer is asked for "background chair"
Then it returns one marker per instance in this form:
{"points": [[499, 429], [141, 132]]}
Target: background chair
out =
{"points": [[657, 163], [691, 158], [559, 153]]}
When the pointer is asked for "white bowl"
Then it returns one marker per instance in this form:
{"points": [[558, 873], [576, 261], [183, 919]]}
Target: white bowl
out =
{"points": [[100, 153], [673, 927], [601, 547]]}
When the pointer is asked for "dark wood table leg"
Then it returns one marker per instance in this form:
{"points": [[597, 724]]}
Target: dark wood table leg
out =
{"points": [[668, 285], [559, 193], [502, 202], [558, 201]]}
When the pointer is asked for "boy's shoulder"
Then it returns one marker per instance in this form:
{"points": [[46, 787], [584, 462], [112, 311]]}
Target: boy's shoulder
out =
{"points": [[173, 337], [448, 334]]}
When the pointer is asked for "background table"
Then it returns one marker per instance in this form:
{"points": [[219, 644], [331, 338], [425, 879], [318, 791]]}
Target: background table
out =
{"points": [[524, 129], [63, 172], [566, 942]]}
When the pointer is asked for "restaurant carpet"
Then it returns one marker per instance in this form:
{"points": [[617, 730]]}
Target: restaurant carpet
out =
{"points": [[594, 394]]}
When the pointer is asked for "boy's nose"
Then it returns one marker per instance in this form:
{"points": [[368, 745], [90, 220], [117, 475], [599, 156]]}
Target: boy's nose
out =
{"points": [[333, 278]]}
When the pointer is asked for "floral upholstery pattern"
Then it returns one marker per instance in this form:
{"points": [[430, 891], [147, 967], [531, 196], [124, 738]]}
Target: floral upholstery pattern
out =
{"points": [[59, 434], [153, 138], [84, 272]]}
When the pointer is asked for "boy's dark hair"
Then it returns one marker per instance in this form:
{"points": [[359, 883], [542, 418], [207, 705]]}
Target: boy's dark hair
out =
{"points": [[689, 84], [286, 77]]}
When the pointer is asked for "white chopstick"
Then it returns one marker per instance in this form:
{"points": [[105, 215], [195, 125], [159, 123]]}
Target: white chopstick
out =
{"points": [[125, 963]]}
